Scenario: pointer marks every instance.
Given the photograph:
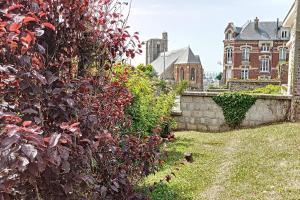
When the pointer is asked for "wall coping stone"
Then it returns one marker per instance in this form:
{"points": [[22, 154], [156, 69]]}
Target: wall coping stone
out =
{"points": [[176, 113], [258, 96], [254, 81]]}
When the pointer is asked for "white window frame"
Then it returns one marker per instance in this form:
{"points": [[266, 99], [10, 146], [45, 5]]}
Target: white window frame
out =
{"points": [[245, 74], [265, 65], [246, 54], [265, 47], [284, 34], [282, 54], [229, 55]]}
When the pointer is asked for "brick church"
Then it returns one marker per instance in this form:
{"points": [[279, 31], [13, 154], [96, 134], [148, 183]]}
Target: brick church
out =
{"points": [[257, 51], [174, 66]]}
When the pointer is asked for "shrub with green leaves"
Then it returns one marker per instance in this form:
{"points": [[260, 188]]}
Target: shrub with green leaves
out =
{"points": [[235, 106], [153, 100], [269, 89]]}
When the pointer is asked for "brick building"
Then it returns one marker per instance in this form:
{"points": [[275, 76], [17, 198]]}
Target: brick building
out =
{"points": [[256, 52], [175, 66]]}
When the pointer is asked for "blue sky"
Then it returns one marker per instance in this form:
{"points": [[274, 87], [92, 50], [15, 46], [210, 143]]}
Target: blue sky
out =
{"points": [[199, 24]]}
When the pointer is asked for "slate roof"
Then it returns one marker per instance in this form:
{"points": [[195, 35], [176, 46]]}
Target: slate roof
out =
{"points": [[266, 31], [180, 56]]}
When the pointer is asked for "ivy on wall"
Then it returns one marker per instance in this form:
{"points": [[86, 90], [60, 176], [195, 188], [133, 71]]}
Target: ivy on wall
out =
{"points": [[235, 106]]}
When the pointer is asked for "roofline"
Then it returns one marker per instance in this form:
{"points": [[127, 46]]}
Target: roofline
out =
{"points": [[289, 13]]}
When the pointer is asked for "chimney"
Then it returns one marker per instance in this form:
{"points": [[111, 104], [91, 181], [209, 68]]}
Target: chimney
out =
{"points": [[165, 36], [256, 23]]}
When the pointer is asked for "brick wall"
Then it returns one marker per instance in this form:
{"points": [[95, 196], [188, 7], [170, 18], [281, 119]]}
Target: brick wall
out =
{"points": [[196, 84]]}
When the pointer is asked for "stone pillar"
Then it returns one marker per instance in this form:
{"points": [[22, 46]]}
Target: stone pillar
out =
{"points": [[294, 65]]}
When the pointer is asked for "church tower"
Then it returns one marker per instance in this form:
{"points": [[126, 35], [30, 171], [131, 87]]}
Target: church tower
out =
{"points": [[156, 46]]}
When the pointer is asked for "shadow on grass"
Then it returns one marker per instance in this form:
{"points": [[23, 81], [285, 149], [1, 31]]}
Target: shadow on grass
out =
{"points": [[175, 151]]}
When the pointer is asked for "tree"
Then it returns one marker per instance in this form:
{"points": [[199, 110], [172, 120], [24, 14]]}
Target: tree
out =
{"points": [[219, 77], [59, 125]]}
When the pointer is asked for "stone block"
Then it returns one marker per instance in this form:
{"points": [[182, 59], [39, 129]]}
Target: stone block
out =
{"points": [[192, 120], [186, 113], [181, 126], [191, 127], [187, 99], [197, 114], [202, 127], [214, 128]]}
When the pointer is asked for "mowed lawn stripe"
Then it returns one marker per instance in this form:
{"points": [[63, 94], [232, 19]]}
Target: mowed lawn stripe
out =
{"points": [[260, 163]]}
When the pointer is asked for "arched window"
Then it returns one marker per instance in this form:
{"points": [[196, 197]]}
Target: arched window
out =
{"points": [[229, 54], [193, 74], [158, 47], [245, 54], [181, 74], [282, 54]]}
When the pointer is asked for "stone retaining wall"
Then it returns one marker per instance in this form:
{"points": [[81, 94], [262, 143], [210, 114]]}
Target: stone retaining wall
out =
{"points": [[296, 110], [199, 112], [238, 85]]}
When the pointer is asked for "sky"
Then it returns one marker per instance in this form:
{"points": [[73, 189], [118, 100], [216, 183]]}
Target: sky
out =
{"points": [[199, 24]]}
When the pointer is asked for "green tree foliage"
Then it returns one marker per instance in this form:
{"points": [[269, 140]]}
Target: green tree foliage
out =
{"points": [[219, 77], [153, 100], [235, 106], [147, 70]]}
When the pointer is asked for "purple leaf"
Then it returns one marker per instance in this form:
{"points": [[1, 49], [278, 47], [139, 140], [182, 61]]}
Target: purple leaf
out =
{"points": [[103, 191], [7, 142], [29, 151], [54, 140], [66, 166], [40, 77], [23, 162], [30, 111]]}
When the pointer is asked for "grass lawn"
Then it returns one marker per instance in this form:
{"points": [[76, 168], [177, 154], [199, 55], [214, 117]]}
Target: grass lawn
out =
{"points": [[261, 163]]}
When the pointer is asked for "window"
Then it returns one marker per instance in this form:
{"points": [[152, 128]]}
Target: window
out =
{"points": [[265, 65], [284, 34], [229, 36], [193, 74], [282, 54], [229, 55], [245, 74], [181, 74], [265, 47], [245, 54], [158, 47]]}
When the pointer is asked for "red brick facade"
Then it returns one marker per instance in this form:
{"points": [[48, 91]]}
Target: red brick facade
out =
{"points": [[254, 63], [251, 67], [184, 72]]}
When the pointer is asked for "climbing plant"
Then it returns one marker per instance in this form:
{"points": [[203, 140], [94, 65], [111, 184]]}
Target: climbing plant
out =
{"points": [[235, 106]]}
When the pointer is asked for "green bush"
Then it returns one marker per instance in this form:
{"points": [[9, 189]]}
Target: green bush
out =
{"points": [[153, 100], [269, 89], [235, 106]]}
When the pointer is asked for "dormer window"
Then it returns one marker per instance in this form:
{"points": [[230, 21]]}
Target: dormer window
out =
{"points": [[229, 35], [284, 34], [265, 47]]}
